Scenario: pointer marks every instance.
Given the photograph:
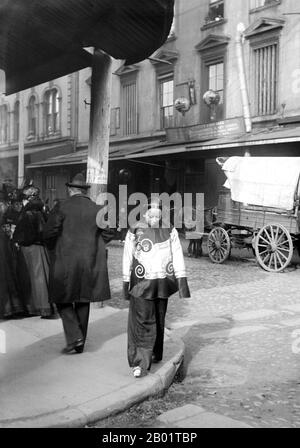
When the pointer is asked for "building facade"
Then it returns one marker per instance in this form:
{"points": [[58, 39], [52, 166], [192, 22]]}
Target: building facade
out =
{"points": [[226, 82]]}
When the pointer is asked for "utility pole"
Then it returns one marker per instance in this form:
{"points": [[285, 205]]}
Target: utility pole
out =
{"points": [[98, 148], [21, 140]]}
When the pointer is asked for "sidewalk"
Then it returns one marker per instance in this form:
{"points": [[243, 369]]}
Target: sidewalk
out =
{"points": [[40, 387]]}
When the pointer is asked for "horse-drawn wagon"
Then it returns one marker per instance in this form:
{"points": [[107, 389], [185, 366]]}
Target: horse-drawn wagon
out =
{"points": [[259, 209]]}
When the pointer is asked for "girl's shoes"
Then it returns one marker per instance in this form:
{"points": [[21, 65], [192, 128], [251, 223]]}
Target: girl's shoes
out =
{"points": [[137, 372]]}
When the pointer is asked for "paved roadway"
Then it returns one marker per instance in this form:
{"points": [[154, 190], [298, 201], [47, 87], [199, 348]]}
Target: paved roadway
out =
{"points": [[242, 332]]}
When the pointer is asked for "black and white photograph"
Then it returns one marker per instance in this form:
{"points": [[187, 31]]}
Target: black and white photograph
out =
{"points": [[149, 218]]}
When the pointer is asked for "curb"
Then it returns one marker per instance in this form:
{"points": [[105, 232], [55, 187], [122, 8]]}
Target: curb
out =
{"points": [[103, 407]]}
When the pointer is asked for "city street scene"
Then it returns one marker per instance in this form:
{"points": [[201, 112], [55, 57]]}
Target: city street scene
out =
{"points": [[149, 217]]}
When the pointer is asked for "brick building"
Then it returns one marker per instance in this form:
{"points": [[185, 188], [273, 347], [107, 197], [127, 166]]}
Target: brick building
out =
{"points": [[243, 57]]}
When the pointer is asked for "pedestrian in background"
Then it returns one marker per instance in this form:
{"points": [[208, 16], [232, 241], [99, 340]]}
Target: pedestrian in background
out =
{"points": [[153, 269], [78, 265], [33, 258], [11, 304]]}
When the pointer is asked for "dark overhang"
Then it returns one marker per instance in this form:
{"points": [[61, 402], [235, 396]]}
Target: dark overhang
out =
{"points": [[43, 40]]}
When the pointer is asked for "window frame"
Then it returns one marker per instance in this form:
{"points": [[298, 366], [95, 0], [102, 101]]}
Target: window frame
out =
{"points": [[52, 118], [271, 4], [127, 80], [32, 115], [208, 60], [161, 79], [214, 18], [258, 42], [4, 124]]}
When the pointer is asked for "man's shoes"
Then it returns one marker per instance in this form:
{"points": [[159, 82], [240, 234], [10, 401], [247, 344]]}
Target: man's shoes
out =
{"points": [[78, 346], [137, 372], [79, 349]]}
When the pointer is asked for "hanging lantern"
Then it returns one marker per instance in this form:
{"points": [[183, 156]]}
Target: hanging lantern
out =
{"points": [[211, 98], [182, 105]]}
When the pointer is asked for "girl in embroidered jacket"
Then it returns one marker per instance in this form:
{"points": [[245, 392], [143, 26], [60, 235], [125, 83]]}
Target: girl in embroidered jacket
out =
{"points": [[153, 269]]}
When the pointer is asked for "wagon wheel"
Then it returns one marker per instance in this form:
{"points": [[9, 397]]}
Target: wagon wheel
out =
{"points": [[218, 244], [273, 247]]}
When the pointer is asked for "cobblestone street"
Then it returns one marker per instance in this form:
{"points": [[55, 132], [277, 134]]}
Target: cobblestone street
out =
{"points": [[241, 329]]}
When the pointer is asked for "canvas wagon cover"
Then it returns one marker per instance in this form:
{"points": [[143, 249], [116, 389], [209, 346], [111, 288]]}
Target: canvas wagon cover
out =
{"points": [[264, 181]]}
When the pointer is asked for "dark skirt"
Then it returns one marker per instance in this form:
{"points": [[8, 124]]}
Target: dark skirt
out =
{"points": [[10, 301], [34, 272], [146, 322]]}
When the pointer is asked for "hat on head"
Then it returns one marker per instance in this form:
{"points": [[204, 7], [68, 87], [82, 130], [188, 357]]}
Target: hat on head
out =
{"points": [[78, 181], [30, 192]]}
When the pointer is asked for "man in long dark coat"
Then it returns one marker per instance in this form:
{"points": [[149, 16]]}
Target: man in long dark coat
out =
{"points": [[78, 264]]}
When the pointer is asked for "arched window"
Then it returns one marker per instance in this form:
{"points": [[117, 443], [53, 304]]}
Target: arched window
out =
{"points": [[32, 117], [16, 120], [52, 112], [3, 124]]}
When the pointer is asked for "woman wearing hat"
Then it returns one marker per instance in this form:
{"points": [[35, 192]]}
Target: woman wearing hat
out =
{"points": [[33, 257], [153, 270], [10, 303]]}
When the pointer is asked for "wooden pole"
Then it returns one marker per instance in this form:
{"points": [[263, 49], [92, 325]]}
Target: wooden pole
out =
{"points": [[21, 141], [98, 149]]}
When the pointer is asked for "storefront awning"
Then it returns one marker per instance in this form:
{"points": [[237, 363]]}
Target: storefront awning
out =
{"points": [[256, 138], [64, 146], [116, 152]]}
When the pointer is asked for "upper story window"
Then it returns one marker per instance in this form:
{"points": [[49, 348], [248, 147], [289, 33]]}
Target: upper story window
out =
{"points": [[16, 121], [129, 107], [32, 117], [166, 101], [264, 36], [216, 79], [255, 4], [213, 51], [3, 124], [216, 11], [266, 78], [52, 112]]}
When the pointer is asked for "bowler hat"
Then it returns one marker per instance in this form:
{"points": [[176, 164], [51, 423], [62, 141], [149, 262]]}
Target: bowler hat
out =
{"points": [[78, 182]]}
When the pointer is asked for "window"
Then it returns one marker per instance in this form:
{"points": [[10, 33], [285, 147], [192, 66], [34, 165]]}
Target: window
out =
{"points": [[216, 11], [114, 120], [254, 4], [166, 101], [265, 89], [214, 80], [16, 121], [52, 112], [50, 182], [32, 117], [3, 124], [129, 107]]}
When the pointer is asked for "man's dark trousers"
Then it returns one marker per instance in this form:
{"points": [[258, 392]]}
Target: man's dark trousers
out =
{"points": [[75, 319]]}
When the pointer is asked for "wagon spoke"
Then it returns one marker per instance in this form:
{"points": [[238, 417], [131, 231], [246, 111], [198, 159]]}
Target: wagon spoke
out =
{"points": [[279, 259], [270, 238], [283, 242], [282, 255], [271, 259], [262, 238], [264, 252], [277, 230], [282, 235]]}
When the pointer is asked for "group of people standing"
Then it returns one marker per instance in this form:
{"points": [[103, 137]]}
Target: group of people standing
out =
{"points": [[24, 260], [65, 256]]}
